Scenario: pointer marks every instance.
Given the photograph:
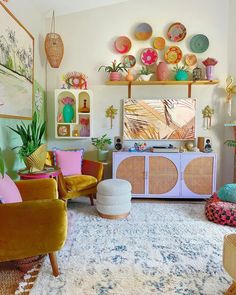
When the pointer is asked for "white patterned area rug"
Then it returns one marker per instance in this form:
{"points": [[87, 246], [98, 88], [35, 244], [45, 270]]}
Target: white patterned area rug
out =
{"points": [[161, 248]]}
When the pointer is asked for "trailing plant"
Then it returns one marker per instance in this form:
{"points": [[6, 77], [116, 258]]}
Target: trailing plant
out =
{"points": [[230, 143], [2, 167], [31, 136], [145, 71], [101, 142], [115, 67]]}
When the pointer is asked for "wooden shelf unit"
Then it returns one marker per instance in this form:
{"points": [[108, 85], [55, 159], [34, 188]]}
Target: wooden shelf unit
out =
{"points": [[168, 82]]}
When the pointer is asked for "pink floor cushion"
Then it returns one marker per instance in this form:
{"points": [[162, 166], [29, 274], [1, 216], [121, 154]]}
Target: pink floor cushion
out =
{"points": [[220, 212]]}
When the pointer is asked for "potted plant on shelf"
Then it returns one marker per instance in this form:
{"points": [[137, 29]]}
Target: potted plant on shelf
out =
{"points": [[101, 144], [32, 151], [181, 73], [115, 70], [145, 74]]}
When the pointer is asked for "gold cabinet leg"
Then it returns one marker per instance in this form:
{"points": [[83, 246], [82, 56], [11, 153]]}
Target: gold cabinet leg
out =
{"points": [[53, 260], [231, 290]]}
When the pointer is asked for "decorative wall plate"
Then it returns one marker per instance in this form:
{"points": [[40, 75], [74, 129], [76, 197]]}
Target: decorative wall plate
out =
{"points": [[173, 55], [122, 44], [159, 43], [190, 59], [129, 61], [199, 43], [143, 31], [149, 56], [176, 32]]}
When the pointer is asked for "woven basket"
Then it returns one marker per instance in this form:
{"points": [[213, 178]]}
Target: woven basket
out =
{"points": [[36, 161], [54, 49], [229, 255]]}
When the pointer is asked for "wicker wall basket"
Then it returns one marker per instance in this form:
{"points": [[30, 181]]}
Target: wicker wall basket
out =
{"points": [[54, 49], [36, 161]]}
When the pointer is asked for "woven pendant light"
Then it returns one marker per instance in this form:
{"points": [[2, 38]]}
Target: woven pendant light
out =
{"points": [[54, 46]]}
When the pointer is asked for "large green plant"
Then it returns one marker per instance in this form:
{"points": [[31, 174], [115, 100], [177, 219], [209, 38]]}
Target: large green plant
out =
{"points": [[102, 142], [231, 143], [2, 169], [31, 136]]}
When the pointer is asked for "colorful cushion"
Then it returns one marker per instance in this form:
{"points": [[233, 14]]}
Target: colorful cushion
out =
{"points": [[220, 212], [8, 190], [228, 193], [70, 162], [78, 183]]}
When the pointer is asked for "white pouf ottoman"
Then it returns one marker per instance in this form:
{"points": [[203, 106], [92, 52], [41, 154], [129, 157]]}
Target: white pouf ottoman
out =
{"points": [[113, 198]]}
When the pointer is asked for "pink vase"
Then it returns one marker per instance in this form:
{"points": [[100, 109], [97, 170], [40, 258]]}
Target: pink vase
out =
{"points": [[162, 71], [115, 76], [209, 72]]}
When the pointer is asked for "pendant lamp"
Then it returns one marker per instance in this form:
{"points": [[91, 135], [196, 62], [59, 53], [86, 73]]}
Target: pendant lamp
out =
{"points": [[54, 47]]}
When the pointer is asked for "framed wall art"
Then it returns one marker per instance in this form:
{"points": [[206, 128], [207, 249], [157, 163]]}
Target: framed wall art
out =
{"points": [[16, 67], [159, 119]]}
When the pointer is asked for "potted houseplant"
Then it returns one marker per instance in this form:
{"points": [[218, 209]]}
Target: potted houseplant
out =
{"points": [[32, 151], [181, 73], [115, 70], [145, 74], [101, 144]]}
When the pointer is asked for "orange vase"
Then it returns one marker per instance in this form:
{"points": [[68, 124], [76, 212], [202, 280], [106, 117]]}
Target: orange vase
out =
{"points": [[129, 77]]}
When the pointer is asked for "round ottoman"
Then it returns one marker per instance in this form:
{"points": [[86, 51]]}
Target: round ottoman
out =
{"points": [[113, 198], [220, 212]]}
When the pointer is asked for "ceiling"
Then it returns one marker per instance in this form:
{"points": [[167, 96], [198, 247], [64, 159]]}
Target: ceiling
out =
{"points": [[62, 7]]}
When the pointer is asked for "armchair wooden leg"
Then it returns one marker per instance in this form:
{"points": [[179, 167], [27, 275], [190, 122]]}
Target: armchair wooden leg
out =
{"points": [[91, 199], [231, 290], [53, 260]]}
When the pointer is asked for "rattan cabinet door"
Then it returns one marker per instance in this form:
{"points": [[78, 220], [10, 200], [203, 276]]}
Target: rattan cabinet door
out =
{"points": [[164, 175], [133, 170], [198, 176]]}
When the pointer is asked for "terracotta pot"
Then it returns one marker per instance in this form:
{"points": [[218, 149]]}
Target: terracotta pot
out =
{"points": [[115, 76], [162, 71]]}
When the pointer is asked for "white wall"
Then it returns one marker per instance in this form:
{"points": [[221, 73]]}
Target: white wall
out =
{"points": [[34, 22], [88, 38]]}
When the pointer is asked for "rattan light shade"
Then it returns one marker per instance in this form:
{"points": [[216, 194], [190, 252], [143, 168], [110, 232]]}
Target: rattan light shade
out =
{"points": [[54, 49]]}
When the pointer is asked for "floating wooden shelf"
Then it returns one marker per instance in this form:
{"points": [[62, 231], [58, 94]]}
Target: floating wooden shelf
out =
{"points": [[169, 82]]}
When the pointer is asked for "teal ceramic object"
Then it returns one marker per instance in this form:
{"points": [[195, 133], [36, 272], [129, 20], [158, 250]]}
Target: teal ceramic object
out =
{"points": [[181, 75], [68, 113], [227, 193]]}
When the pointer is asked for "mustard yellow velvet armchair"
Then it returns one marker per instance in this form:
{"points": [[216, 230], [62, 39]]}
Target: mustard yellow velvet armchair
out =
{"points": [[73, 186], [36, 226]]}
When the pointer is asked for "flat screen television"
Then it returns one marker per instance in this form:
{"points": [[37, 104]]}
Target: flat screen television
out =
{"points": [[159, 119]]}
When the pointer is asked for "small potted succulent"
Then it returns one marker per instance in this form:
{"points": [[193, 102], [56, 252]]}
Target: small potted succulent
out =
{"points": [[181, 73], [101, 144], [145, 74], [115, 70]]}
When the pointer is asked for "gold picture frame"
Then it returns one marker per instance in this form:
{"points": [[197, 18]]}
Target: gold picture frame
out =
{"points": [[16, 67]]}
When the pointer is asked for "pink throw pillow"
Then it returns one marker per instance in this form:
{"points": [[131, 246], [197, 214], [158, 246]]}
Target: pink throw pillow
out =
{"points": [[8, 190], [70, 162]]}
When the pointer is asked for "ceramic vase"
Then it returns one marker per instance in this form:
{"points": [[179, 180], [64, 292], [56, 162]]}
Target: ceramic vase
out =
{"points": [[68, 113], [115, 76], [129, 77], [84, 131], [162, 71], [209, 72], [145, 77], [102, 155], [181, 75]]}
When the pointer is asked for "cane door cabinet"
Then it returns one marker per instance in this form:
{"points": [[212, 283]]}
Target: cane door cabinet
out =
{"points": [[167, 175]]}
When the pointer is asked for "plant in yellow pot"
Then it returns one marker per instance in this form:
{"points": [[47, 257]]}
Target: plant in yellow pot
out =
{"points": [[33, 152]]}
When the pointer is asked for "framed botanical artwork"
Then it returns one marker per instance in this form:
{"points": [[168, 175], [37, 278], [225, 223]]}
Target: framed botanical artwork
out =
{"points": [[16, 67], [159, 119]]}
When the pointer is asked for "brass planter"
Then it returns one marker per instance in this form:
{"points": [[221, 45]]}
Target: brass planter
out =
{"points": [[36, 161]]}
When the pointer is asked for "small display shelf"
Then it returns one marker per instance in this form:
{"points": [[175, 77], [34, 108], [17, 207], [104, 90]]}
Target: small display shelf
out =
{"points": [[73, 113]]}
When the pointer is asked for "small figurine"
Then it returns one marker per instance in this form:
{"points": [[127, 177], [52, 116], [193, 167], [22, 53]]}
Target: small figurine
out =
{"points": [[140, 147]]}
